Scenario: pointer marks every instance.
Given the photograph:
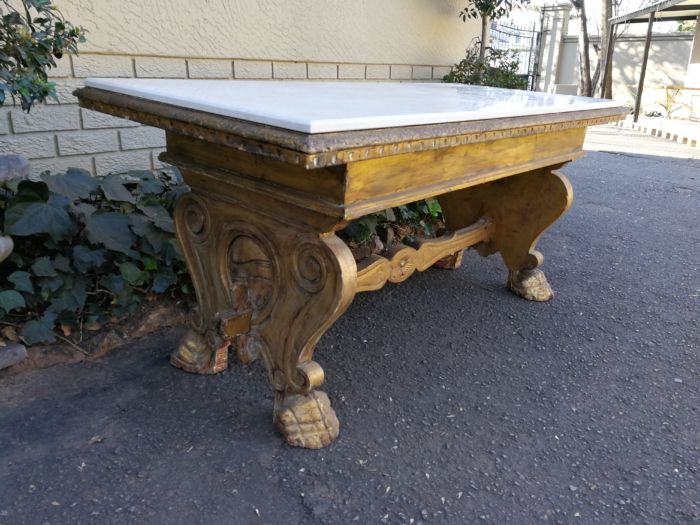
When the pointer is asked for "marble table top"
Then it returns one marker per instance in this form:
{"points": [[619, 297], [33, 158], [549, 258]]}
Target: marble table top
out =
{"points": [[323, 107]]}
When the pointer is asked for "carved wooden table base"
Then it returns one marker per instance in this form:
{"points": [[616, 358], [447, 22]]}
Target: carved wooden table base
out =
{"points": [[270, 289]]}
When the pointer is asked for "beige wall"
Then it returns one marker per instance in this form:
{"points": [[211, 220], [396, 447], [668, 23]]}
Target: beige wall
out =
{"points": [[668, 60], [667, 65], [692, 78], [265, 39], [376, 31]]}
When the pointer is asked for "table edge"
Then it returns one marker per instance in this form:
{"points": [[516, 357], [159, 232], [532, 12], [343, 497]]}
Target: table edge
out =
{"points": [[335, 148]]}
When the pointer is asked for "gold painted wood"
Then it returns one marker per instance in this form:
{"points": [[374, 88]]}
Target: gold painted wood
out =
{"points": [[375, 185], [257, 229], [403, 261], [522, 207], [352, 191], [291, 282]]}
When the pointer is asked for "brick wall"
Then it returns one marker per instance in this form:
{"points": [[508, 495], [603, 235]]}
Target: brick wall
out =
{"points": [[60, 135]]}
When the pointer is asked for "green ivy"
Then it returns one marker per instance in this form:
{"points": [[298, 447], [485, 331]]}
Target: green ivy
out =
{"points": [[88, 250], [422, 218]]}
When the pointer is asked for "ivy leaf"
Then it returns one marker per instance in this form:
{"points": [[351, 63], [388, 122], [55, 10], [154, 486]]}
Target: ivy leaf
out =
{"points": [[149, 263], [112, 230], [11, 300], [51, 284], [43, 267], [171, 252], [113, 282], [131, 273], [163, 281], [30, 191], [22, 281], [85, 259], [147, 181], [31, 218], [158, 215], [74, 184], [114, 189], [62, 263], [156, 238], [40, 330], [71, 299], [139, 224], [82, 209], [434, 207]]}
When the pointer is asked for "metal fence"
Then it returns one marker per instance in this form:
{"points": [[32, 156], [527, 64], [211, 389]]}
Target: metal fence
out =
{"points": [[524, 41]]}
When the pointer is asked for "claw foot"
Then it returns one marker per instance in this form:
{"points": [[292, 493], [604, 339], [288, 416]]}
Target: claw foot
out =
{"points": [[306, 421], [194, 355], [530, 284]]}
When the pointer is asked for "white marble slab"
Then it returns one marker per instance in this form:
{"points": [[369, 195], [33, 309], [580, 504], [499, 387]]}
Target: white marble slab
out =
{"points": [[322, 107]]}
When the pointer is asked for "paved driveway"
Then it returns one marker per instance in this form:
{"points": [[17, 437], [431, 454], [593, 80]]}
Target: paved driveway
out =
{"points": [[459, 403]]}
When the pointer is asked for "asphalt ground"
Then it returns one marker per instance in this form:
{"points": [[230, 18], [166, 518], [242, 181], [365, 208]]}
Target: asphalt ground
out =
{"points": [[459, 402]]}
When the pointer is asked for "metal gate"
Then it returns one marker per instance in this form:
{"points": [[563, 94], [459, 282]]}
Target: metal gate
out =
{"points": [[525, 42]]}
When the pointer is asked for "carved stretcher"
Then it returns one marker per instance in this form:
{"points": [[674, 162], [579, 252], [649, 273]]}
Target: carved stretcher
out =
{"points": [[276, 168]]}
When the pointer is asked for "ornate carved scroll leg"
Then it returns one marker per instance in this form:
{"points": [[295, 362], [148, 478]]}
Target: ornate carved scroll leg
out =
{"points": [[318, 283], [203, 349], [522, 208]]}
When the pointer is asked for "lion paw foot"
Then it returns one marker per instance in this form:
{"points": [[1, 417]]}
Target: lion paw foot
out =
{"points": [[307, 421], [530, 284]]}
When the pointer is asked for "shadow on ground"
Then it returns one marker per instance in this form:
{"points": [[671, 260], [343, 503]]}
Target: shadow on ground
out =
{"points": [[459, 403]]}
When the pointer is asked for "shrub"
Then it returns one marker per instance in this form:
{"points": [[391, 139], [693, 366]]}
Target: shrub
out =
{"points": [[31, 38], [88, 250], [498, 68]]}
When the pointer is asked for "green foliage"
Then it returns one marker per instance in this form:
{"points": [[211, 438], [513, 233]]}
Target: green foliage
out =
{"points": [[417, 218], [493, 9], [30, 40], [88, 249], [498, 68]]}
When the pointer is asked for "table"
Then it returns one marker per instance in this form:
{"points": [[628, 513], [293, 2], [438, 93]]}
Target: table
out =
{"points": [[276, 168]]}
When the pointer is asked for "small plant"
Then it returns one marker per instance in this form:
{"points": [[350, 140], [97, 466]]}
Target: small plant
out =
{"points": [[498, 68], [88, 250], [669, 102], [31, 39]]}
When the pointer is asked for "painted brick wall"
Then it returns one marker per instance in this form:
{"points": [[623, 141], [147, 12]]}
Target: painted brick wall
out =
{"points": [[60, 135]]}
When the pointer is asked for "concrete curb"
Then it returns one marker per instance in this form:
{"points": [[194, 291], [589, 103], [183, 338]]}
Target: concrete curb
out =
{"points": [[682, 132]]}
